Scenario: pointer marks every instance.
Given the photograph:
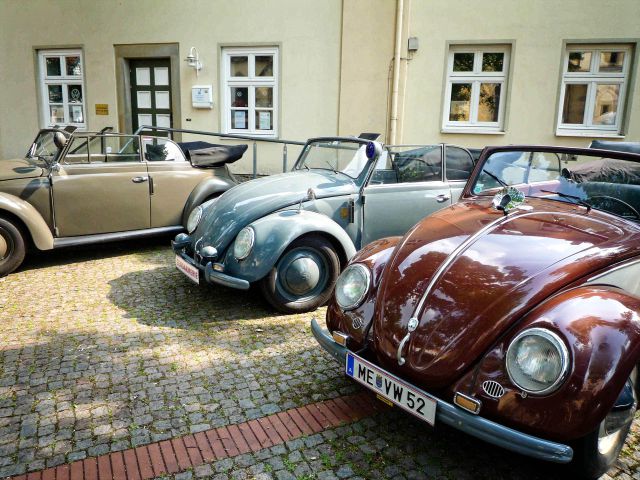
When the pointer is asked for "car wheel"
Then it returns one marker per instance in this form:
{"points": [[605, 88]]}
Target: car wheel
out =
{"points": [[595, 453], [12, 247], [304, 276]]}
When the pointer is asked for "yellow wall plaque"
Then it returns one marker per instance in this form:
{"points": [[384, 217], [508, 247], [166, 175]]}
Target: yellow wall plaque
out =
{"points": [[102, 109]]}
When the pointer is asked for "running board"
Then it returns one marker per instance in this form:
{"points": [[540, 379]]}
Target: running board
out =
{"points": [[112, 237]]}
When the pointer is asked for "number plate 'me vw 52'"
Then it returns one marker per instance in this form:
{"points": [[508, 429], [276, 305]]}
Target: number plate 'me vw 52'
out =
{"points": [[392, 388]]}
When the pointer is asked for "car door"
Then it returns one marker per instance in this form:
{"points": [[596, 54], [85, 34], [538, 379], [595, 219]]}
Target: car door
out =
{"points": [[173, 179], [405, 186], [101, 186]]}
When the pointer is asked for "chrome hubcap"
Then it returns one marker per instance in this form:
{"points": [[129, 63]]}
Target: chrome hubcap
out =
{"points": [[302, 274], [4, 247]]}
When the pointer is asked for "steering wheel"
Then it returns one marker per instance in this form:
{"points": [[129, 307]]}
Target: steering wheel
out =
{"points": [[606, 199]]}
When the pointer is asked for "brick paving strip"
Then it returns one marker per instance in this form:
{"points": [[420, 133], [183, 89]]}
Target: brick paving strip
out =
{"points": [[181, 453]]}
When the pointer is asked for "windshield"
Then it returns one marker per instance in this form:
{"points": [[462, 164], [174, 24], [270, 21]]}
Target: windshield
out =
{"points": [[44, 147], [588, 179], [338, 155]]}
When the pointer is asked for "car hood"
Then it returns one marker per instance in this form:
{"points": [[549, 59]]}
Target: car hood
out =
{"points": [[479, 272], [249, 201], [20, 168]]}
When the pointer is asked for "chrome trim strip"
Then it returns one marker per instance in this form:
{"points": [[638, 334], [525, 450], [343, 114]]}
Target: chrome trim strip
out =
{"points": [[112, 237], [479, 427]]}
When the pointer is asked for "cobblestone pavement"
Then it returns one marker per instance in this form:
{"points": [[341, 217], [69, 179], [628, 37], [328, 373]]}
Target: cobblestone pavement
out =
{"points": [[107, 348]]}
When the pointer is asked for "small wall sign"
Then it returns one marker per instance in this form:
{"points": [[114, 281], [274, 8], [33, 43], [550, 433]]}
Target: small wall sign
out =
{"points": [[102, 109]]}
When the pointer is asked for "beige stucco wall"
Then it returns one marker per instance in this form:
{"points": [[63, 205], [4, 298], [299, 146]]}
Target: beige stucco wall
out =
{"points": [[307, 32], [538, 29]]}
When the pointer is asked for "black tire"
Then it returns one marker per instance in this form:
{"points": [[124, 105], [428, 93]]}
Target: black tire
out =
{"points": [[279, 287], [595, 453], [12, 247]]}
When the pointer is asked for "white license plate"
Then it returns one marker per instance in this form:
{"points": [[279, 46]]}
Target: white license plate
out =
{"points": [[189, 270], [392, 388]]}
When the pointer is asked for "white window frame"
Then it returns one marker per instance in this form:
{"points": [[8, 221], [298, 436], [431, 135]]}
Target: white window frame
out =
{"points": [[64, 80], [250, 82], [592, 78], [476, 77]]}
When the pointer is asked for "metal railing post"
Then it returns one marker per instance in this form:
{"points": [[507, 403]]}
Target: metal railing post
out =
{"points": [[284, 158], [255, 159]]}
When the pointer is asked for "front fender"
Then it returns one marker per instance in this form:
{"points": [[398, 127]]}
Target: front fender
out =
{"points": [[600, 326], [37, 227], [275, 232], [207, 188]]}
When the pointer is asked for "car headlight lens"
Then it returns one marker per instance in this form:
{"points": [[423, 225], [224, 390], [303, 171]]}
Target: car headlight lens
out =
{"points": [[352, 286], [537, 361], [244, 243], [194, 219]]}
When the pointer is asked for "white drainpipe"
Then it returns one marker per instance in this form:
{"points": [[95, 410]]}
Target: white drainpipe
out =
{"points": [[393, 123]]}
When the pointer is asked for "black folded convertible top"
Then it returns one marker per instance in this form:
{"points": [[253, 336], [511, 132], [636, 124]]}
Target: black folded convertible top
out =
{"points": [[605, 170], [204, 154]]}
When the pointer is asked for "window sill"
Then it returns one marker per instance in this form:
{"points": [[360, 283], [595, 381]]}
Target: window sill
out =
{"points": [[473, 130], [588, 134]]}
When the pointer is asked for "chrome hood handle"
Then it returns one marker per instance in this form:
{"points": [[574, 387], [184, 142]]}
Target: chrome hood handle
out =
{"points": [[413, 324]]}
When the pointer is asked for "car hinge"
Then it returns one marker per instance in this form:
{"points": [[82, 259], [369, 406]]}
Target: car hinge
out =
{"points": [[56, 232], [151, 187], [352, 211], [362, 199]]}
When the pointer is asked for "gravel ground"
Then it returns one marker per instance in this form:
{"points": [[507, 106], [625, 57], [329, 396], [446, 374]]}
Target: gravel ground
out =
{"points": [[107, 348]]}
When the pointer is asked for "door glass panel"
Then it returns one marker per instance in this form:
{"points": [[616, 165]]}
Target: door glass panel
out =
{"points": [[264, 66], [492, 62], [163, 120], [419, 165], [76, 114], [459, 163], [463, 62], [606, 106], [611, 62], [162, 100], [575, 97], [264, 120], [489, 102], [144, 99], [239, 66], [143, 76], [55, 93], [120, 148], [579, 62], [75, 93], [74, 68], [239, 119], [56, 114], [161, 75], [53, 67], [145, 119], [78, 151], [264, 97], [460, 102], [239, 96]]}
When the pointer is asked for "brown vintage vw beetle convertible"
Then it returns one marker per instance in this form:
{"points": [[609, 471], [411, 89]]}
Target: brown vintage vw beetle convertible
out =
{"points": [[513, 315]]}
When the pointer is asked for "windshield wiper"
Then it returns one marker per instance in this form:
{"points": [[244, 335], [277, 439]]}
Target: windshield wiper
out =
{"points": [[495, 177], [577, 200]]}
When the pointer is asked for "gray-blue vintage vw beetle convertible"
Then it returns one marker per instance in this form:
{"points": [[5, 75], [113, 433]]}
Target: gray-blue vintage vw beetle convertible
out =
{"points": [[292, 233]]}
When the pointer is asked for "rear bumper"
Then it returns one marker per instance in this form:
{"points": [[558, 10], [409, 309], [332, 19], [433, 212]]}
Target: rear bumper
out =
{"points": [[476, 426], [211, 275]]}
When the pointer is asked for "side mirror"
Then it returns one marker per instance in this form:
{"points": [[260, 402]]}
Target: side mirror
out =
{"points": [[59, 140]]}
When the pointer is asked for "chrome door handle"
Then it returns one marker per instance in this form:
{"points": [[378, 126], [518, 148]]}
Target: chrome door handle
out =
{"points": [[139, 179], [442, 198]]}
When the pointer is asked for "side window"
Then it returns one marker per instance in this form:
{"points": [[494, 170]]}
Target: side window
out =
{"points": [[421, 165], [161, 150], [120, 148], [459, 163], [78, 151], [384, 172]]}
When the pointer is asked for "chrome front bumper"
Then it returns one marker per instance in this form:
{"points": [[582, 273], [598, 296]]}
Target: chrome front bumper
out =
{"points": [[474, 425], [211, 275]]}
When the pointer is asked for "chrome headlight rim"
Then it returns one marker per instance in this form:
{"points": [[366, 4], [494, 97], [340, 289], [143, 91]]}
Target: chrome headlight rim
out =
{"points": [[194, 219], [560, 346], [249, 246], [367, 280]]}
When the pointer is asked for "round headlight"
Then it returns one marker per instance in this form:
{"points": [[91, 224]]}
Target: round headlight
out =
{"points": [[537, 361], [244, 243], [194, 219], [352, 286]]}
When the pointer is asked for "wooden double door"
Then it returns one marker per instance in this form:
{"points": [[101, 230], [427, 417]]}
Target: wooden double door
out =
{"points": [[150, 81]]}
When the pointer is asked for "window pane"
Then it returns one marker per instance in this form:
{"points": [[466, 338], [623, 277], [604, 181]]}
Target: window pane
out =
{"points": [[55, 93], [489, 102], [264, 97], [611, 61], [492, 62], [459, 163], [575, 97], [606, 107], [264, 120], [56, 114], [460, 102], [75, 93], [239, 96], [264, 66], [53, 67], [239, 119], [73, 66], [75, 114], [463, 62], [579, 62], [422, 165], [239, 66]]}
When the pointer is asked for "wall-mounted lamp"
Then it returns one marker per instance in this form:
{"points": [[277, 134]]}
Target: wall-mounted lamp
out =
{"points": [[193, 59]]}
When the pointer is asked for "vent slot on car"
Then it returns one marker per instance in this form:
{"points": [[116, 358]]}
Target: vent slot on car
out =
{"points": [[493, 389]]}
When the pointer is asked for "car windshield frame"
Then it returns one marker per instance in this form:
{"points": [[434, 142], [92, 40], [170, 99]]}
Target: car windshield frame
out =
{"points": [[48, 152], [561, 188], [336, 144]]}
